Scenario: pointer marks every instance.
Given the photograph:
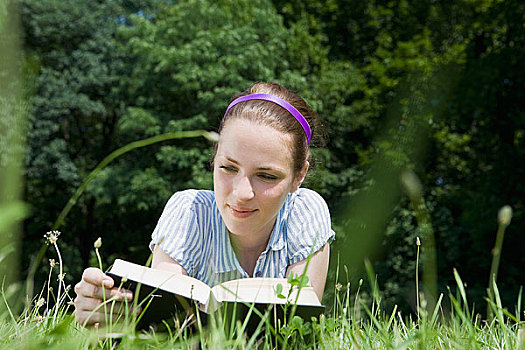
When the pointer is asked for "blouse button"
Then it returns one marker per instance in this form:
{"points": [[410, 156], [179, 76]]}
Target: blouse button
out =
{"points": [[258, 274]]}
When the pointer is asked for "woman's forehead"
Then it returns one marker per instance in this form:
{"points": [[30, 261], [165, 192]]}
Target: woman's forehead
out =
{"points": [[248, 140]]}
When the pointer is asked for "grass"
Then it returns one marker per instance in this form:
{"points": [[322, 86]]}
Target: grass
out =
{"points": [[349, 324]]}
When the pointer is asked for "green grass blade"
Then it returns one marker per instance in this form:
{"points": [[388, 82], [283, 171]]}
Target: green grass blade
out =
{"points": [[436, 311], [461, 287]]}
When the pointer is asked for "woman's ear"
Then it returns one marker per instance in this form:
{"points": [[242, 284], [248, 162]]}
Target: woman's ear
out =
{"points": [[299, 178]]}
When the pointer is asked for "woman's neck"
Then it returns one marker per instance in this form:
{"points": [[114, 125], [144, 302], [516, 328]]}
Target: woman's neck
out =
{"points": [[248, 250]]}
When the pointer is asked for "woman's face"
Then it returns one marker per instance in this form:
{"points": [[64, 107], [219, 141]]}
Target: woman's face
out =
{"points": [[252, 175]]}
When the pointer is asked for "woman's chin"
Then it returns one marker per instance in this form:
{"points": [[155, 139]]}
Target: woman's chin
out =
{"points": [[239, 229]]}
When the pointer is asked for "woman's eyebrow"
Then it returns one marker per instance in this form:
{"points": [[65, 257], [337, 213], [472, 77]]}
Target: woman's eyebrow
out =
{"points": [[272, 169], [263, 168], [267, 168], [231, 160]]}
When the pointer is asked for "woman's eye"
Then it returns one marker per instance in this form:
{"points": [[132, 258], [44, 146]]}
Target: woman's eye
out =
{"points": [[268, 177], [228, 169]]}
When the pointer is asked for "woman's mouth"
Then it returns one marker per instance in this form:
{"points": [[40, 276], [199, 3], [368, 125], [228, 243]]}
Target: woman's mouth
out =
{"points": [[241, 213]]}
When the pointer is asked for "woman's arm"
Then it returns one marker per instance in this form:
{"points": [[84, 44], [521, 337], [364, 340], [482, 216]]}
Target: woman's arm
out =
{"points": [[162, 261], [317, 269]]}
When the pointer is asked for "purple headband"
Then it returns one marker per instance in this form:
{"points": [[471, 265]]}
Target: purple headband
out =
{"points": [[280, 102]]}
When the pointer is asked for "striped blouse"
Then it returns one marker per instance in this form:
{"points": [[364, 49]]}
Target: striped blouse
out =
{"points": [[191, 231]]}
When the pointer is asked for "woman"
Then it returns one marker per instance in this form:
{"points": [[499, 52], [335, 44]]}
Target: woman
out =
{"points": [[257, 222]]}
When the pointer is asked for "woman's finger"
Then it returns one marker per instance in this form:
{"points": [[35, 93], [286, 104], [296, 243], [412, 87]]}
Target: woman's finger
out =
{"points": [[95, 276], [89, 318], [88, 290], [95, 284], [91, 310], [94, 304]]}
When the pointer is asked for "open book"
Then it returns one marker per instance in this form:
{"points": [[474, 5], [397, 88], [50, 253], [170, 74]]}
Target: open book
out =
{"points": [[172, 293]]}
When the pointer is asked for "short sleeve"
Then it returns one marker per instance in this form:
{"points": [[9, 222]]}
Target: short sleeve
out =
{"points": [[309, 225], [177, 232]]}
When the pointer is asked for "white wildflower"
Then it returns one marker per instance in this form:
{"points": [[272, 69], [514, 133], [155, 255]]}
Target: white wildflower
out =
{"points": [[52, 236], [40, 302]]}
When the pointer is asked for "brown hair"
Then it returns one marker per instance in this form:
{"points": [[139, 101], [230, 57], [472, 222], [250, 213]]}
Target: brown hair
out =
{"points": [[271, 114]]}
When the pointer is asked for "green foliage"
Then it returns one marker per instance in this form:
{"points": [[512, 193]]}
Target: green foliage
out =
{"points": [[138, 123], [472, 109], [75, 108]]}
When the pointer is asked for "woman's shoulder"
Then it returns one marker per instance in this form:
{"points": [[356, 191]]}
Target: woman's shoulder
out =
{"points": [[192, 197], [307, 199], [306, 208]]}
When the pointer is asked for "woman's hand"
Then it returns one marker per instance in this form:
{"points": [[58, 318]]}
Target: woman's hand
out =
{"points": [[92, 290]]}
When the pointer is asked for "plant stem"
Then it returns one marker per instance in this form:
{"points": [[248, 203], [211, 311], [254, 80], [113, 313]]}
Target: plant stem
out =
{"points": [[60, 277], [103, 288], [496, 255], [414, 190], [417, 279]]}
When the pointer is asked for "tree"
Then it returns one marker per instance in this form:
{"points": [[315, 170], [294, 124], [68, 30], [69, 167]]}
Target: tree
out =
{"points": [[472, 140], [76, 107]]}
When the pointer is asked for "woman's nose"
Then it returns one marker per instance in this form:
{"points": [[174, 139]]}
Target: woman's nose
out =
{"points": [[243, 189]]}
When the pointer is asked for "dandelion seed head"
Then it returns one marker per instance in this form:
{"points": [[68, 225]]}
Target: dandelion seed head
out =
{"points": [[505, 215], [98, 243], [412, 185], [212, 136]]}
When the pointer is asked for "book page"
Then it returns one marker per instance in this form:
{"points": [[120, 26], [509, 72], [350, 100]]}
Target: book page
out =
{"points": [[263, 290], [183, 285]]}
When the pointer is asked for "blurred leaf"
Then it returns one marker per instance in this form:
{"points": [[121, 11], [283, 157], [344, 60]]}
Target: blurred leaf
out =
{"points": [[12, 212]]}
